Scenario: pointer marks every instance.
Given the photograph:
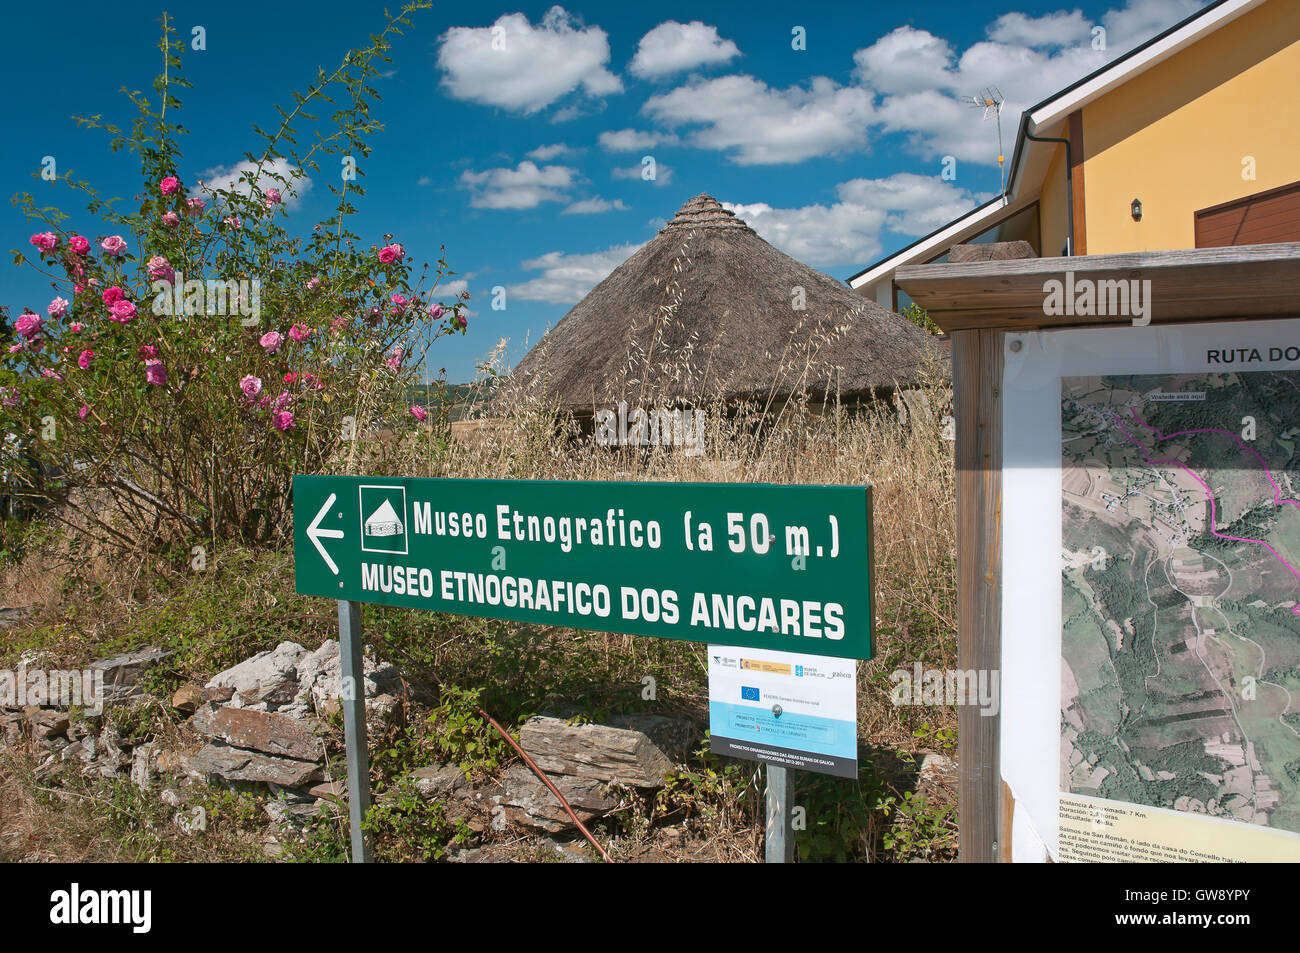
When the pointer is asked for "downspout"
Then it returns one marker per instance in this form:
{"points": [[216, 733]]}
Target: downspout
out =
{"points": [[1069, 189]]}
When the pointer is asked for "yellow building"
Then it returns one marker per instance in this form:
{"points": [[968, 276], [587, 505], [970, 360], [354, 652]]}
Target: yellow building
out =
{"points": [[1191, 140]]}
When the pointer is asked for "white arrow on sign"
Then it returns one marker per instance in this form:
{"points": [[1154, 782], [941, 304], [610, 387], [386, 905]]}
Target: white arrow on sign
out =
{"points": [[314, 533]]}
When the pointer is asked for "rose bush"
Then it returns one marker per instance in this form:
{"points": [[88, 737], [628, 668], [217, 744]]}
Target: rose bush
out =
{"points": [[138, 399]]}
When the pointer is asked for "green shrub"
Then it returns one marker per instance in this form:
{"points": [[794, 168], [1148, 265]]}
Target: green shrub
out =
{"points": [[207, 345]]}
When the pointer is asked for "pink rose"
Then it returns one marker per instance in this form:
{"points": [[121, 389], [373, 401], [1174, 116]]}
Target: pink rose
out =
{"points": [[419, 413], [45, 241], [122, 312], [234, 221], [113, 245], [196, 205], [57, 308], [282, 420], [394, 360], [313, 283], [15, 348], [250, 385], [84, 359], [435, 311], [79, 244], [271, 340], [113, 295], [282, 401], [299, 333], [12, 397], [160, 269], [290, 377], [83, 411], [171, 219], [391, 253], [51, 373], [272, 197], [29, 325], [169, 185], [75, 327], [155, 373], [147, 352], [338, 324], [400, 302], [461, 320]]}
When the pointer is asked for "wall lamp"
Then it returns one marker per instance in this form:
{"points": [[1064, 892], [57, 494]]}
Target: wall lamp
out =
{"points": [[1136, 210]]}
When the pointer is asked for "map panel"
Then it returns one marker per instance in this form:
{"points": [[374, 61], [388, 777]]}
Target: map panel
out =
{"points": [[1180, 621]]}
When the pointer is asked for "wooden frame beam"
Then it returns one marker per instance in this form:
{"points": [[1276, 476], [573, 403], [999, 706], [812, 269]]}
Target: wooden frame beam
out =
{"points": [[1193, 285]]}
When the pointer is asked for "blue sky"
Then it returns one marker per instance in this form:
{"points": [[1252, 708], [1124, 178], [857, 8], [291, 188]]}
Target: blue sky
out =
{"points": [[525, 157]]}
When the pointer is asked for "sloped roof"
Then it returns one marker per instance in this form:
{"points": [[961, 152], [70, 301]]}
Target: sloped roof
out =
{"points": [[708, 310], [384, 514]]}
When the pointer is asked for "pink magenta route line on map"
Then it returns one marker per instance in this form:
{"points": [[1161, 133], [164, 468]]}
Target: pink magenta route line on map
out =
{"points": [[1277, 491]]}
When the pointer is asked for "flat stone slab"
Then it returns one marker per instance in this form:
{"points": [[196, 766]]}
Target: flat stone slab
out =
{"points": [[263, 731], [236, 764], [440, 780], [122, 672], [528, 802], [268, 680], [635, 749]]}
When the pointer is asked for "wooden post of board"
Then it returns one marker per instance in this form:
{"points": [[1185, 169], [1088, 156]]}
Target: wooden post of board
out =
{"points": [[977, 407]]}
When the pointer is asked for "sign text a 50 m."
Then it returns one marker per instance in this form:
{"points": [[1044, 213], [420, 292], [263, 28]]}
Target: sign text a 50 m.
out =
{"points": [[757, 565]]}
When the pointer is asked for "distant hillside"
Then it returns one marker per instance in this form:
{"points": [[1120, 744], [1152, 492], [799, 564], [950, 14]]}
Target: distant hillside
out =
{"points": [[457, 398]]}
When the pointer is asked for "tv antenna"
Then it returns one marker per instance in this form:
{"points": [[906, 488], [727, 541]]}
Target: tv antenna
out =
{"points": [[991, 100]]}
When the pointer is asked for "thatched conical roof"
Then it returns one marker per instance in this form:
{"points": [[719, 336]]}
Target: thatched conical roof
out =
{"points": [[707, 310]]}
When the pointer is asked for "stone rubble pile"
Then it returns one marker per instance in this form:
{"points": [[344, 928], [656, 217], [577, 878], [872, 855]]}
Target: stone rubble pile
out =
{"points": [[262, 722]]}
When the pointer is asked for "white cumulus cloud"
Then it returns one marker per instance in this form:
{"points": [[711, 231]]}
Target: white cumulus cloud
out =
{"points": [[674, 47], [922, 80], [663, 174], [524, 67], [595, 206], [280, 174], [1052, 29], [756, 124], [447, 291], [566, 278], [526, 186], [848, 232], [634, 140], [547, 153]]}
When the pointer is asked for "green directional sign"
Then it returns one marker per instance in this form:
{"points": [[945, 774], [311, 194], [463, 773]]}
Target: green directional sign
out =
{"points": [[755, 565]]}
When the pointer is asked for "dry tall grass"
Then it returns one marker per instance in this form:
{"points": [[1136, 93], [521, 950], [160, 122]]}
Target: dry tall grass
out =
{"points": [[897, 447]]}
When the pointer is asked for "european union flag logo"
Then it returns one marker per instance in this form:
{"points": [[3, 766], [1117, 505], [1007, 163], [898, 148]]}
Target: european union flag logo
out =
{"points": [[748, 694]]}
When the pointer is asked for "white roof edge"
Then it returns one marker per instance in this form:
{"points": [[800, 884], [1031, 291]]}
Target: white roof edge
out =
{"points": [[937, 239], [1057, 109]]}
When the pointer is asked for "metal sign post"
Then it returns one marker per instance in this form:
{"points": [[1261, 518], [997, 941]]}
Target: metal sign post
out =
{"points": [[353, 699], [779, 843]]}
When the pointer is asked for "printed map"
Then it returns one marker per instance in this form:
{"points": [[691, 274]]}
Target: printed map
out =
{"points": [[1180, 588]]}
